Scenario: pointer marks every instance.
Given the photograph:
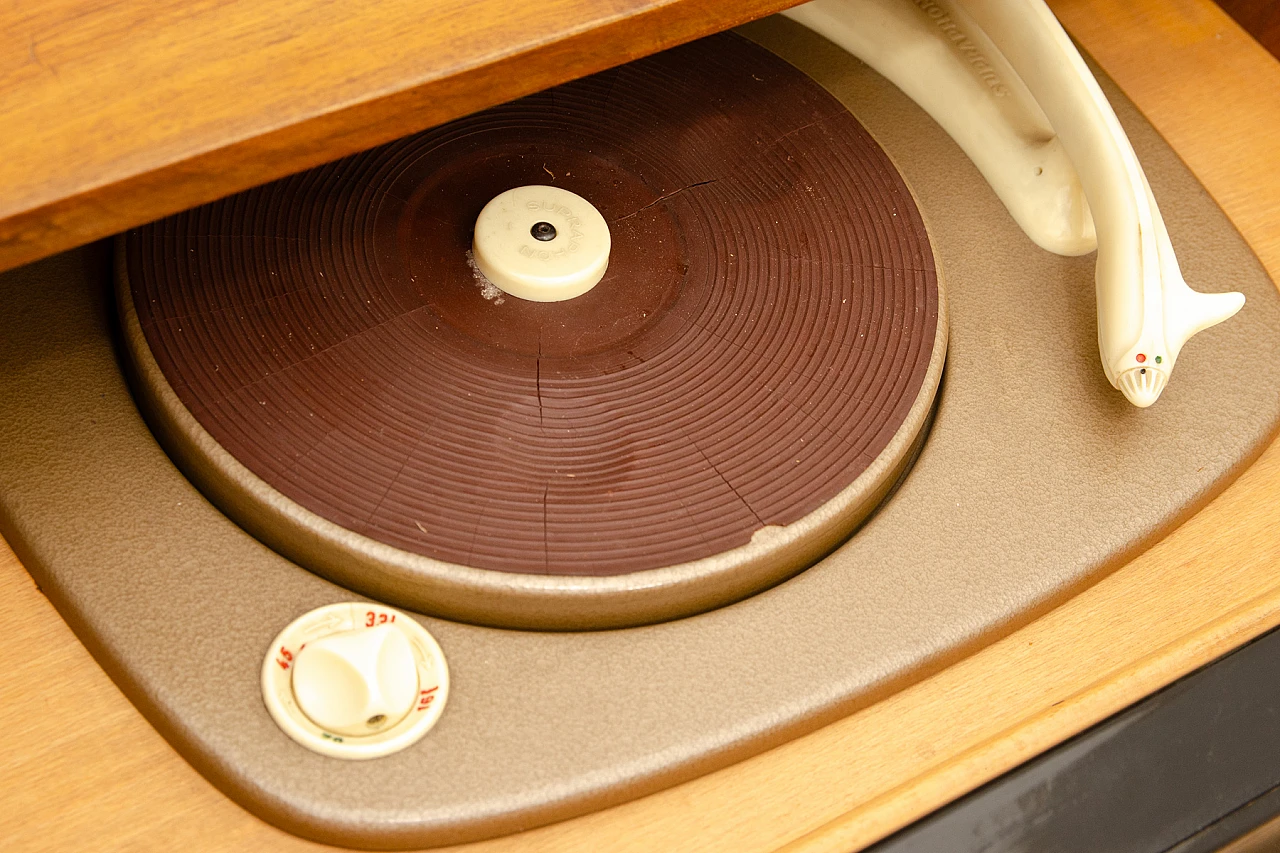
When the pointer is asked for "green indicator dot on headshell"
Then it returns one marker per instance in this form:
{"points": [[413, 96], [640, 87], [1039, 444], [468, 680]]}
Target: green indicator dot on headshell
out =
{"points": [[1159, 359]]}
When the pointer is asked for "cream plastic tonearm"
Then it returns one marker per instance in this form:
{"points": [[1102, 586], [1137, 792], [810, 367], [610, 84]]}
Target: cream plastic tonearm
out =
{"points": [[1004, 80]]}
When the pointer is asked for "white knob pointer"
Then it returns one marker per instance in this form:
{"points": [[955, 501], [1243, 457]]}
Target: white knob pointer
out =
{"points": [[355, 680], [543, 244]]}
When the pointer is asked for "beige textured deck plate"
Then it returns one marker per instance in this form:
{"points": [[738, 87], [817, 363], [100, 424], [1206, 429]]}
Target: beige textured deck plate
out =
{"points": [[1030, 486]]}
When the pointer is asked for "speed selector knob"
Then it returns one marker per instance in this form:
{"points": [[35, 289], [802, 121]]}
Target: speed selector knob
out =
{"points": [[357, 682]]}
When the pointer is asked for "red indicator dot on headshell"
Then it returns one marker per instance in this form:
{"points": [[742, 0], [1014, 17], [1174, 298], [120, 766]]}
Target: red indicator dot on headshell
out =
{"points": [[1141, 358]]}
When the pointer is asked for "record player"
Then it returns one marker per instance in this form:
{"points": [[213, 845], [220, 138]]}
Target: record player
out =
{"points": [[806, 415]]}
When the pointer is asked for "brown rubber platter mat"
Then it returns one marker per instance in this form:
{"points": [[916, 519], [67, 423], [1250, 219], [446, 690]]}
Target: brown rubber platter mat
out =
{"points": [[1031, 484], [746, 381]]}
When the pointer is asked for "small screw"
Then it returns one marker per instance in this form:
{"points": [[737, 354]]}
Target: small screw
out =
{"points": [[543, 231]]}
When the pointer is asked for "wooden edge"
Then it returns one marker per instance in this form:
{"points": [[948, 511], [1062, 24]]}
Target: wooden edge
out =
{"points": [[1264, 839], [96, 210]]}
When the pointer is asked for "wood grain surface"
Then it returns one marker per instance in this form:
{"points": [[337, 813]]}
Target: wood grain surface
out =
{"points": [[81, 769], [115, 114]]}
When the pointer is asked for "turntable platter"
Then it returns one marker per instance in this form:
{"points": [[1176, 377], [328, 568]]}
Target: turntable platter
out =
{"points": [[743, 386]]}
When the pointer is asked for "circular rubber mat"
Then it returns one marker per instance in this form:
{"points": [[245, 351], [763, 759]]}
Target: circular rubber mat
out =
{"points": [[733, 397]]}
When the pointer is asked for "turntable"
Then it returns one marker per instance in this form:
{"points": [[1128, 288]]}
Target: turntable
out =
{"points": [[799, 424]]}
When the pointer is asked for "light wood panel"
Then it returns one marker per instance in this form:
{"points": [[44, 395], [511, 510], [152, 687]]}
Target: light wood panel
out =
{"points": [[1208, 87], [80, 769], [115, 114]]}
